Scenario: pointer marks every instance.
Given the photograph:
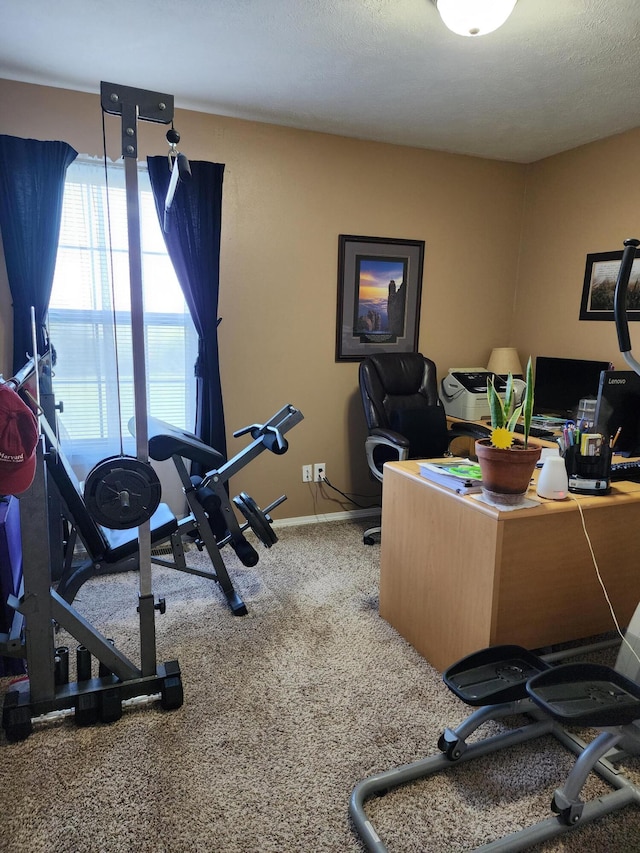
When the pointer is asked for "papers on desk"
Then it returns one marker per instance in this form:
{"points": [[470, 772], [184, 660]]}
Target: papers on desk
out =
{"points": [[548, 422], [461, 475]]}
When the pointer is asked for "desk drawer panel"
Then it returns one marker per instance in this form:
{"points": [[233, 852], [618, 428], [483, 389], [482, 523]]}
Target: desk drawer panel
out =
{"points": [[548, 588]]}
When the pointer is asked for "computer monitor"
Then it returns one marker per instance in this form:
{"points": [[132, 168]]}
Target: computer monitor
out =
{"points": [[618, 407], [560, 384]]}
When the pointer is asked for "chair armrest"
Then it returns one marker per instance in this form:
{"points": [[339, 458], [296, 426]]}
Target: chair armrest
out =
{"points": [[380, 435], [388, 438]]}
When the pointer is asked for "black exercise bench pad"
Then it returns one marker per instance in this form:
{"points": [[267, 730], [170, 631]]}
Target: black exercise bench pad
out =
{"points": [[166, 441], [123, 543]]}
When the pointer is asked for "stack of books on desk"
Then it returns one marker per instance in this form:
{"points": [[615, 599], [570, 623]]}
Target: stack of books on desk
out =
{"points": [[461, 475]]}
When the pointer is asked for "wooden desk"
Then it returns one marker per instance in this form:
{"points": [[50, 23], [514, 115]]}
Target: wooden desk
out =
{"points": [[457, 575]]}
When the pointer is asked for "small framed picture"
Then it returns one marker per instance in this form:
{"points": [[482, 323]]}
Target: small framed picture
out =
{"points": [[379, 292], [600, 278]]}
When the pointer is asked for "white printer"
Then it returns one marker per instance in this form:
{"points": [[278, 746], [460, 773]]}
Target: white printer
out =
{"points": [[463, 392]]}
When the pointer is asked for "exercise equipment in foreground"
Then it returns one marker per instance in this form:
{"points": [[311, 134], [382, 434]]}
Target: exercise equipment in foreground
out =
{"points": [[509, 680]]}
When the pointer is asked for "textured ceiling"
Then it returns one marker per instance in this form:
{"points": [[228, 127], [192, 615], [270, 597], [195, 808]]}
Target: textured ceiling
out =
{"points": [[558, 74]]}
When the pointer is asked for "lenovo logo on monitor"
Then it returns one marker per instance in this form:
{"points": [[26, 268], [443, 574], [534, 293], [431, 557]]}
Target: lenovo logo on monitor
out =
{"points": [[618, 406]]}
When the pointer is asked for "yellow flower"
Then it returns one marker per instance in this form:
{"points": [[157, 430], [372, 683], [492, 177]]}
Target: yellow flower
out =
{"points": [[502, 438]]}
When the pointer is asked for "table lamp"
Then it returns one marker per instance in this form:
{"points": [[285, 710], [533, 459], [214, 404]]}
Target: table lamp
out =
{"points": [[505, 360]]}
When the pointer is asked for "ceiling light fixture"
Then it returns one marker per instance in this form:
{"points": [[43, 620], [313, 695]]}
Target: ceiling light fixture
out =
{"points": [[474, 17]]}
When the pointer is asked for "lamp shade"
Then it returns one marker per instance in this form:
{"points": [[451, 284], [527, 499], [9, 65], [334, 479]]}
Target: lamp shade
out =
{"points": [[474, 17], [504, 360]]}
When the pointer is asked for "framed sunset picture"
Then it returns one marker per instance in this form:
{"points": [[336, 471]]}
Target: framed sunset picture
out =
{"points": [[379, 290]]}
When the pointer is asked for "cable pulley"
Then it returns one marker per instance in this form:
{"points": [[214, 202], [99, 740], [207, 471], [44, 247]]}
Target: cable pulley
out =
{"points": [[258, 520], [180, 171], [122, 492]]}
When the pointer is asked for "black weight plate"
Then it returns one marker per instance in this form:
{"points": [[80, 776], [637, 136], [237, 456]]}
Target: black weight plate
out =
{"points": [[122, 492], [257, 519]]}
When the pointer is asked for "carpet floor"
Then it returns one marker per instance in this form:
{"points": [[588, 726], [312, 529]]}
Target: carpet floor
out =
{"points": [[285, 710]]}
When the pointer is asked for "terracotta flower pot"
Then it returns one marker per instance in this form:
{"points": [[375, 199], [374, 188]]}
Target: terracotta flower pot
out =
{"points": [[506, 474]]}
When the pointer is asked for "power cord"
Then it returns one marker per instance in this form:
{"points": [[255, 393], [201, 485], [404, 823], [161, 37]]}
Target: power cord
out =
{"points": [[601, 582], [351, 495]]}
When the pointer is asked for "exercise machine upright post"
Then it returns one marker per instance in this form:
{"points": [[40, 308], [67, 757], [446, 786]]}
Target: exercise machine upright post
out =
{"points": [[133, 105], [93, 699]]}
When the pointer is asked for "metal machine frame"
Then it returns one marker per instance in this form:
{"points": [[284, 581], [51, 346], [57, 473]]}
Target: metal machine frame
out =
{"points": [[38, 610], [101, 698]]}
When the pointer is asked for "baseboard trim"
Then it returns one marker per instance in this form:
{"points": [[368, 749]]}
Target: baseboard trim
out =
{"points": [[346, 515]]}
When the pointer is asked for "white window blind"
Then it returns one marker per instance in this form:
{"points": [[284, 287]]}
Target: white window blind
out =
{"points": [[90, 323]]}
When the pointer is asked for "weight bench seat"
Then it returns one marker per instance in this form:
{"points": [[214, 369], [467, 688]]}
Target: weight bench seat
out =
{"points": [[119, 546], [123, 543]]}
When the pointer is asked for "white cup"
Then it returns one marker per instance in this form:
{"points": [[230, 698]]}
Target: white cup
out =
{"points": [[553, 482]]}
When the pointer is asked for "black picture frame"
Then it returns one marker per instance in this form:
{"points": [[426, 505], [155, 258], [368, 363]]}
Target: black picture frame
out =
{"points": [[379, 295], [600, 277]]}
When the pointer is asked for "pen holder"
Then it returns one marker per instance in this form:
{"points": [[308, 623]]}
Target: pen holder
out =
{"points": [[588, 475]]}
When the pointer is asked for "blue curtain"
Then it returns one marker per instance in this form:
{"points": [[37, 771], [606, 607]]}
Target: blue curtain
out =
{"points": [[193, 244], [32, 175]]}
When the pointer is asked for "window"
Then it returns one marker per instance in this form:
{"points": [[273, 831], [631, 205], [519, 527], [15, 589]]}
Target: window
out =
{"points": [[90, 323]]}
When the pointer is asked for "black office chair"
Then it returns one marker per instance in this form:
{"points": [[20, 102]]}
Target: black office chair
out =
{"points": [[404, 415]]}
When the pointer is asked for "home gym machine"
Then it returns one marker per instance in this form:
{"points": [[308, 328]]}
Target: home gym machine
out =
{"points": [[505, 681], [210, 525], [121, 493], [38, 609], [48, 689]]}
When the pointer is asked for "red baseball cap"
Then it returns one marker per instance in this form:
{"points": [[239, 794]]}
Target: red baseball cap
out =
{"points": [[18, 442]]}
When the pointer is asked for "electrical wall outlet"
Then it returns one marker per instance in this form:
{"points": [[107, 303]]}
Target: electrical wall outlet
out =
{"points": [[319, 472], [307, 474]]}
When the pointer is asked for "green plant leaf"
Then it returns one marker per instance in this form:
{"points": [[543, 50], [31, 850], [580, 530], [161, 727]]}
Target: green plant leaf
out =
{"points": [[515, 417], [509, 400], [496, 406], [527, 403]]}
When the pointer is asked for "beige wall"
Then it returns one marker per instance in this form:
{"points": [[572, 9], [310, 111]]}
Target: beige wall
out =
{"points": [[581, 202], [288, 195]]}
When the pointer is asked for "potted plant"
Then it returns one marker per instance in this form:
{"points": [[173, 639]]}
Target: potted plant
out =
{"points": [[506, 461]]}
